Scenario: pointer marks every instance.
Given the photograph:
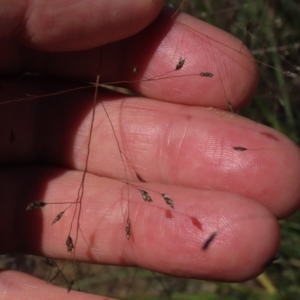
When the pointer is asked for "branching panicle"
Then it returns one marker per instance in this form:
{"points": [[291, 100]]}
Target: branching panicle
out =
{"points": [[208, 241], [69, 243], [128, 229], [180, 63], [140, 178], [71, 246], [70, 285], [206, 74], [56, 273], [36, 204], [290, 74], [229, 105], [168, 200], [57, 218], [146, 196], [240, 148]]}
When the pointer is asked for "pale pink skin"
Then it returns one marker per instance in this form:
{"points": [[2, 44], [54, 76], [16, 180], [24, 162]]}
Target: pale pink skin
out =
{"points": [[179, 137]]}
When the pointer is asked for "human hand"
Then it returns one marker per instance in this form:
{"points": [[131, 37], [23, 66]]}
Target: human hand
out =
{"points": [[170, 137]]}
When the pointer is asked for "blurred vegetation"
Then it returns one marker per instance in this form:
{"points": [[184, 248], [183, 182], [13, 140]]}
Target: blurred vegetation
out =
{"points": [[271, 29]]}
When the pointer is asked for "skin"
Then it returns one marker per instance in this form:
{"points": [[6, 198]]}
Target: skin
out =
{"points": [[178, 136]]}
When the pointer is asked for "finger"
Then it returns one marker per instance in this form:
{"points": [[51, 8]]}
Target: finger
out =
{"points": [[163, 239], [13, 284], [192, 147], [75, 25], [154, 54], [71, 26]]}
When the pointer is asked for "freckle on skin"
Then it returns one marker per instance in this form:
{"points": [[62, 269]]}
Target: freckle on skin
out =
{"points": [[208, 241], [196, 223], [169, 214], [239, 148]]}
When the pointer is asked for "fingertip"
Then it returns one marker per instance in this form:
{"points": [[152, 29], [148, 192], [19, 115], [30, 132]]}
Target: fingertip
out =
{"points": [[239, 78], [204, 48], [231, 63], [241, 250], [221, 237]]}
